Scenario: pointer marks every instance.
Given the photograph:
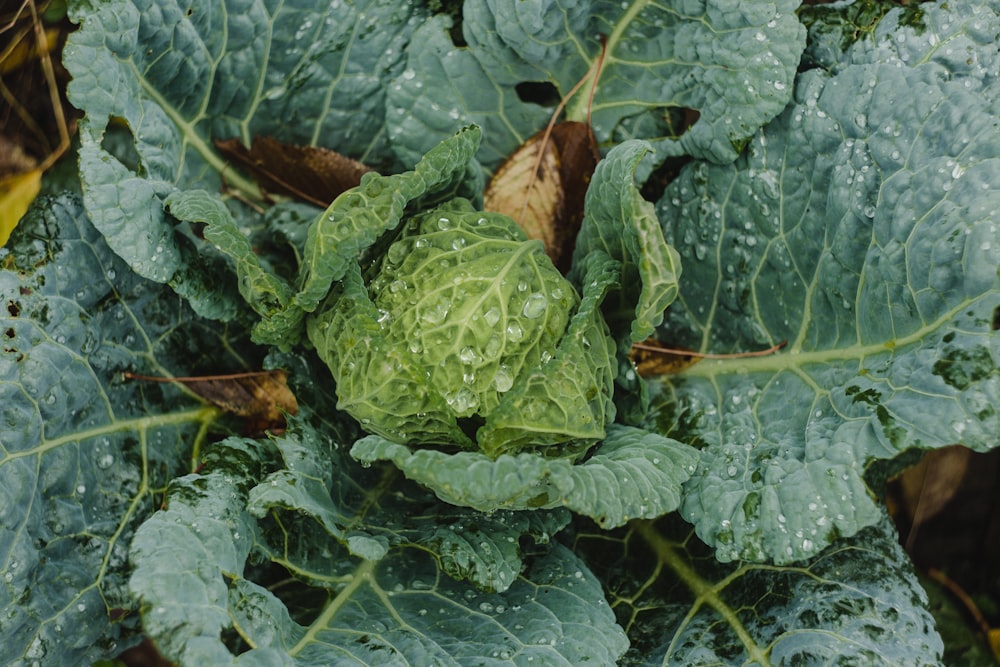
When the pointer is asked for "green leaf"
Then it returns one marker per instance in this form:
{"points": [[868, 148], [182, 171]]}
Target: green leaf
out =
{"points": [[180, 76], [371, 512], [349, 226], [399, 610], [734, 67], [858, 603], [84, 450], [860, 227], [621, 224], [631, 474]]}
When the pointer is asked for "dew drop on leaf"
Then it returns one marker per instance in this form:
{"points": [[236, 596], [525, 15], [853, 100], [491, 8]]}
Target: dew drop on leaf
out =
{"points": [[534, 306]]}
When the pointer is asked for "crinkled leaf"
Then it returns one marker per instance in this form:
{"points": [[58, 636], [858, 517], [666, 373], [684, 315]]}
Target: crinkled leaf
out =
{"points": [[398, 610], [621, 224], [351, 224], [467, 335], [857, 603], [83, 449], [371, 512], [860, 226], [569, 394], [179, 76], [631, 474], [735, 66]]}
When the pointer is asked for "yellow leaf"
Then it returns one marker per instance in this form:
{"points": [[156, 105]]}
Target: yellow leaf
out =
{"points": [[16, 194]]}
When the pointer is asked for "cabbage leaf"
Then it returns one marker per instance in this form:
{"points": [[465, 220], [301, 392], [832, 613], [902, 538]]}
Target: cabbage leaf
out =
{"points": [[842, 201], [859, 227]]}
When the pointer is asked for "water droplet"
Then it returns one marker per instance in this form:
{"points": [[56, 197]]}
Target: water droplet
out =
{"points": [[444, 224], [468, 355], [535, 306], [463, 401], [492, 316], [435, 312], [503, 380], [514, 332]]}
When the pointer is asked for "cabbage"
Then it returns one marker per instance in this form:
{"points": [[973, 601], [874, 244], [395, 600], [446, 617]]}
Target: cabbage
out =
{"points": [[466, 334], [446, 330]]}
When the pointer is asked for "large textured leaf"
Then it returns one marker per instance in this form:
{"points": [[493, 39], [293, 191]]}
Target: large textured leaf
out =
{"points": [[857, 603], [861, 228], [181, 75], [398, 610], [632, 474], [733, 65], [373, 511], [83, 451]]}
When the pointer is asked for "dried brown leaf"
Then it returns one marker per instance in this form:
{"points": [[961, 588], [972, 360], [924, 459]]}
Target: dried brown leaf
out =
{"points": [[542, 186], [262, 398], [312, 174], [652, 358]]}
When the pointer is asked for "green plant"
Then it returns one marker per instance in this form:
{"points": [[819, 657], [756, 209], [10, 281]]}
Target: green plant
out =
{"points": [[839, 194]]}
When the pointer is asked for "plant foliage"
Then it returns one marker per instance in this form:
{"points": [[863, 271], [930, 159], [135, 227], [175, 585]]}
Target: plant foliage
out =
{"points": [[839, 194]]}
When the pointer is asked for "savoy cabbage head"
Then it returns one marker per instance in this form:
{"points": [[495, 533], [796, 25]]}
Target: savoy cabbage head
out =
{"points": [[476, 474], [446, 326]]}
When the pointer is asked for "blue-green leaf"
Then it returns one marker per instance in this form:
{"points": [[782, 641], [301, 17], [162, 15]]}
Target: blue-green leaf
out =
{"points": [[179, 76], [373, 511], [734, 66], [190, 563], [860, 227], [857, 603], [82, 450], [631, 474]]}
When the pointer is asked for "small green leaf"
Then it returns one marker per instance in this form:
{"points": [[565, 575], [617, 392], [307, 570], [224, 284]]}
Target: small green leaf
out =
{"points": [[620, 223]]}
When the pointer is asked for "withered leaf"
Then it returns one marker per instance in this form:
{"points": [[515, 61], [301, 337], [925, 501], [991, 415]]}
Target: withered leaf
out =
{"points": [[312, 174], [261, 398], [652, 358], [542, 186]]}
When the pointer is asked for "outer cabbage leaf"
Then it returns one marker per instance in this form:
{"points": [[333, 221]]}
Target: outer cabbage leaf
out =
{"points": [[619, 223], [860, 227], [735, 66], [631, 474], [179, 76], [371, 512], [856, 603], [398, 610], [82, 451]]}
